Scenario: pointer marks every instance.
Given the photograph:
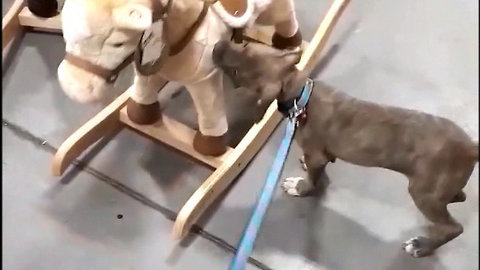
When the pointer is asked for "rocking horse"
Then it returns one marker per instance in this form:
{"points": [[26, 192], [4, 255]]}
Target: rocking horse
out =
{"points": [[100, 45]]}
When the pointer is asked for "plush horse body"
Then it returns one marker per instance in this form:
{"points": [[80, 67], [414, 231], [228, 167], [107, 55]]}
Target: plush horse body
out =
{"points": [[101, 35]]}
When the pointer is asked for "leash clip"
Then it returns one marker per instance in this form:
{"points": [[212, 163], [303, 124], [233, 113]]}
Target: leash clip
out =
{"points": [[295, 113]]}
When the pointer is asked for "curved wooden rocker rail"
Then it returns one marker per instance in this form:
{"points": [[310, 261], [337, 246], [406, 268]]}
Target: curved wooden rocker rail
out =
{"points": [[168, 131], [102, 124], [10, 23]]}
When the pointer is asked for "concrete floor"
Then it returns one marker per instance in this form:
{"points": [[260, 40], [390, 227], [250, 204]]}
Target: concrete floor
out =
{"points": [[415, 54]]}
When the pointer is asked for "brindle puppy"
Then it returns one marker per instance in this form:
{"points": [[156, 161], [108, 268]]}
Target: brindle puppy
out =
{"points": [[435, 154]]}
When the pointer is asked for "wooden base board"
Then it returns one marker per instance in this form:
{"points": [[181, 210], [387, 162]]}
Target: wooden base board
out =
{"points": [[176, 135], [27, 19]]}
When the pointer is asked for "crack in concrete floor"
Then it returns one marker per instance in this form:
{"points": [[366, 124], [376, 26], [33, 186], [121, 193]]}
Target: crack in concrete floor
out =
{"points": [[80, 165]]}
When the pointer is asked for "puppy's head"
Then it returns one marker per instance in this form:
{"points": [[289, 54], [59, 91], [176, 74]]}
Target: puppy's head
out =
{"points": [[259, 68]]}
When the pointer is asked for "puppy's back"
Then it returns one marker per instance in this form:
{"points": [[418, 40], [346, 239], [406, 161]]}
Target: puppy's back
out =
{"points": [[392, 136]]}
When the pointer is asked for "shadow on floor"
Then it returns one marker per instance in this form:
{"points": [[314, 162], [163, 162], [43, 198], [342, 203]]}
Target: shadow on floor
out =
{"points": [[322, 236], [301, 227]]}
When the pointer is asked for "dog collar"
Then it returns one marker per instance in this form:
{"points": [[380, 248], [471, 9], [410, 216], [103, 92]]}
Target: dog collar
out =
{"points": [[296, 107]]}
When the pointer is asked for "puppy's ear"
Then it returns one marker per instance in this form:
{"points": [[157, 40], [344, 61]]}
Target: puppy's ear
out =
{"points": [[288, 61], [231, 58], [292, 58], [269, 92], [224, 54]]}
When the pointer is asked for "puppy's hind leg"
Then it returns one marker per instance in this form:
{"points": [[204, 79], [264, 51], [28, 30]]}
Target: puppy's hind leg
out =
{"points": [[443, 229], [300, 186]]}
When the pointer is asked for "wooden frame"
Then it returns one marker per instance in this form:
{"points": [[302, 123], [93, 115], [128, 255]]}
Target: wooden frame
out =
{"points": [[10, 23], [169, 131]]}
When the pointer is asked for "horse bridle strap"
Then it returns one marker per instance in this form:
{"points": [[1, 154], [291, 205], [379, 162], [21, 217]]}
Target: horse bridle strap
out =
{"points": [[180, 45], [110, 75], [168, 49]]}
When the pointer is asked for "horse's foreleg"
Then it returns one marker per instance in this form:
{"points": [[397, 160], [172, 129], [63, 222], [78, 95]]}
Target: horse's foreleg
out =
{"points": [[143, 107], [207, 95], [287, 34], [281, 14]]}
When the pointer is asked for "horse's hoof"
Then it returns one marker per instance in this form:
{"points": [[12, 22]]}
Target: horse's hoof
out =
{"points": [[209, 145], [143, 114], [43, 8], [283, 43]]}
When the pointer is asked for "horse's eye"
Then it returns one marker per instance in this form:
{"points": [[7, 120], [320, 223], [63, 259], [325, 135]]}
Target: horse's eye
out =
{"points": [[118, 44]]}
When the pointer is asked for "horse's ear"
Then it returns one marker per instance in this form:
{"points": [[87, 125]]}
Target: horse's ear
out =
{"points": [[133, 16]]}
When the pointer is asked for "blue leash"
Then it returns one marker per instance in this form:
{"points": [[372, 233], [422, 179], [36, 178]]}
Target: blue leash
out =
{"points": [[250, 234]]}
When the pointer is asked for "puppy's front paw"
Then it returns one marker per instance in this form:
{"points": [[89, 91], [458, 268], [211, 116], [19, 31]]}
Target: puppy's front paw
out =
{"points": [[417, 247], [297, 186]]}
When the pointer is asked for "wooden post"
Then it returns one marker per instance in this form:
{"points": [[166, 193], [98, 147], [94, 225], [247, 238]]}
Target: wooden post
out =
{"points": [[10, 23]]}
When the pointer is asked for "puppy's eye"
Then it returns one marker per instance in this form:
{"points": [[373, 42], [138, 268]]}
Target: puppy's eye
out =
{"points": [[118, 44]]}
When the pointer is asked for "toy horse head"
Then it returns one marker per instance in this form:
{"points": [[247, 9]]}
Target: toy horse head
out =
{"points": [[100, 36]]}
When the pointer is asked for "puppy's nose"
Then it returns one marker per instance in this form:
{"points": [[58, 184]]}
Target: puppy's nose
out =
{"points": [[219, 50]]}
